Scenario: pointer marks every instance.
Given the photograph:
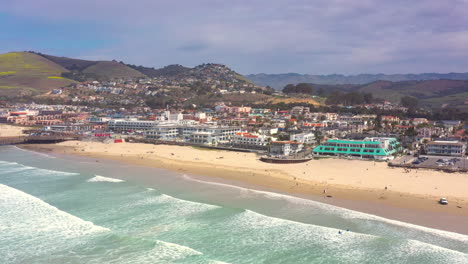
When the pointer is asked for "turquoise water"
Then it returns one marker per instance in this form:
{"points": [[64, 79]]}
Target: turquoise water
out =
{"points": [[76, 210]]}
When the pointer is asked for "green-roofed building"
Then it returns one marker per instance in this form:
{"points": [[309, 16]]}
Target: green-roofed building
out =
{"points": [[368, 148]]}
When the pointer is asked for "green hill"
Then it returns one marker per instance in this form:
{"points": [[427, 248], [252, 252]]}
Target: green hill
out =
{"points": [[24, 73], [112, 69], [82, 70], [69, 63], [29, 73]]}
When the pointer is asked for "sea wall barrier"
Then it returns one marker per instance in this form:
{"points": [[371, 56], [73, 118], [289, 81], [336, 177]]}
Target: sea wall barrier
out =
{"points": [[35, 139], [439, 168]]}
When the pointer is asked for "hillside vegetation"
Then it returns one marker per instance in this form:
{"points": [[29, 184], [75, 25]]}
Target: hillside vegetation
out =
{"points": [[431, 93], [28, 73], [112, 70]]}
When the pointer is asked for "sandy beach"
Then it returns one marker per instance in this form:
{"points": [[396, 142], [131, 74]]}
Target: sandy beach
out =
{"points": [[10, 131], [355, 184]]}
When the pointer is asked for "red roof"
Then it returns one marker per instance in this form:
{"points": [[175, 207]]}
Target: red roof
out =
{"points": [[313, 124], [247, 135]]}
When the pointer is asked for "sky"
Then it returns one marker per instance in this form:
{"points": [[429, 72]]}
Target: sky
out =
{"points": [[250, 36]]}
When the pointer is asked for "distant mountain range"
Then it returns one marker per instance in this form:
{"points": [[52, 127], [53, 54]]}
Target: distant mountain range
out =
{"points": [[432, 89], [433, 93], [278, 81]]}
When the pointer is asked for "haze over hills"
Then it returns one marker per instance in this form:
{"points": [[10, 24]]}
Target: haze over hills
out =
{"points": [[278, 81]]}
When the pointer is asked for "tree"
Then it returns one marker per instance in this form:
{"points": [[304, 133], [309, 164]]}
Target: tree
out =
{"points": [[409, 101], [302, 88], [320, 92], [368, 98]]}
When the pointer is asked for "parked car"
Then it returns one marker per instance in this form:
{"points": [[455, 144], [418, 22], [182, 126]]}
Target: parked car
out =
{"points": [[443, 201]]}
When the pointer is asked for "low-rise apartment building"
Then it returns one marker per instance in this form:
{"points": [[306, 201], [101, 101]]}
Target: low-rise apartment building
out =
{"points": [[446, 148]]}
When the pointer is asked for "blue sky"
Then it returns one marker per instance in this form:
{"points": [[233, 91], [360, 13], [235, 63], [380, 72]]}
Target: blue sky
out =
{"points": [[304, 36]]}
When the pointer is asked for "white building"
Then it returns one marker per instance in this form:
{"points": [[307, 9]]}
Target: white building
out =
{"points": [[250, 141], [300, 110], [200, 134], [446, 148], [200, 115], [285, 148], [163, 132], [120, 125], [306, 138]]}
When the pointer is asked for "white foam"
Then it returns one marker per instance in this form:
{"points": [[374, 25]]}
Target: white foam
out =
{"points": [[14, 167], [442, 255], [28, 222], [341, 212], [162, 252], [286, 233], [183, 207], [35, 152], [98, 178]]}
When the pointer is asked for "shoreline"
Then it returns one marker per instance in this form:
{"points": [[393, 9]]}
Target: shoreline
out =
{"points": [[406, 207]]}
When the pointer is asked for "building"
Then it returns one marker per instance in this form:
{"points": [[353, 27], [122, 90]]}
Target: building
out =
{"points": [[306, 138], [285, 148], [250, 141], [200, 134], [162, 132], [120, 125], [208, 134], [300, 110], [390, 119], [351, 119], [369, 148], [446, 148]]}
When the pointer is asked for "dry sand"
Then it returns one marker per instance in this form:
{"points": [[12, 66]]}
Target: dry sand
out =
{"points": [[360, 182], [10, 131]]}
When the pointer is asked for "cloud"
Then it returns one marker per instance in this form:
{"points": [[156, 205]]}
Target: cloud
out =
{"points": [[318, 37]]}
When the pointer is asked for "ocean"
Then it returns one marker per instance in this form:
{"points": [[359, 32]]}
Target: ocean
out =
{"points": [[78, 210]]}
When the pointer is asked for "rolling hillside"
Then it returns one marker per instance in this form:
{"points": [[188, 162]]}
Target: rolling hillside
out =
{"points": [[29, 73], [112, 70], [90, 70], [433, 93], [24, 73]]}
